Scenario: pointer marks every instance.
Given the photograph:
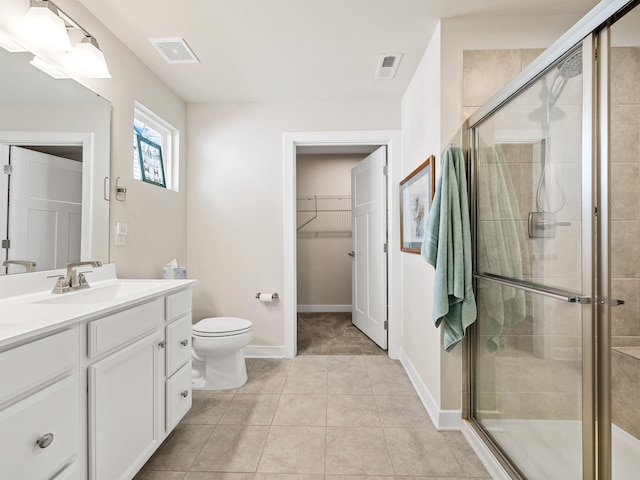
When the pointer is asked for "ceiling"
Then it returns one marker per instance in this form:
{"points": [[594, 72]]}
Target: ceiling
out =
{"points": [[294, 50]]}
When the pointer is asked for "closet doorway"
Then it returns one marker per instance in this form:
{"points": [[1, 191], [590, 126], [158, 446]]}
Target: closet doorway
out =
{"points": [[332, 278], [341, 142]]}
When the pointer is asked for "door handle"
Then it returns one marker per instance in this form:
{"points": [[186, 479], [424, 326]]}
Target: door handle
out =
{"points": [[352, 254]]}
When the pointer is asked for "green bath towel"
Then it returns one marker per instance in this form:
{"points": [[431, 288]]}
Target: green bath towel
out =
{"points": [[447, 246]]}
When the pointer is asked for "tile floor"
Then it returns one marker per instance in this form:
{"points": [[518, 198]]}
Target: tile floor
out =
{"points": [[332, 334], [314, 417]]}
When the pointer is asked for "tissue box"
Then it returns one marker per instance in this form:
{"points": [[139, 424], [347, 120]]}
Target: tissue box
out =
{"points": [[174, 272]]}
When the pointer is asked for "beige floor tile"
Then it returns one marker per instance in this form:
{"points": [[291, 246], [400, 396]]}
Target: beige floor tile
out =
{"points": [[145, 474], [421, 451], [281, 365], [250, 409], [302, 410], [402, 411], [391, 384], [352, 411], [207, 408], [347, 364], [357, 451], [294, 450], [180, 448], [306, 383], [218, 476], [264, 382], [309, 363], [288, 476], [232, 448], [470, 462], [349, 383]]}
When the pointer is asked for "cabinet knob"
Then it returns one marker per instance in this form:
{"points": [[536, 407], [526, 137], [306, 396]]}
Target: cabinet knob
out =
{"points": [[185, 394], [184, 342], [162, 344], [45, 440]]}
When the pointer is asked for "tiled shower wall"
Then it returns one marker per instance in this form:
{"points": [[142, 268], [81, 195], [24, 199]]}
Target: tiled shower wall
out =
{"points": [[625, 235]]}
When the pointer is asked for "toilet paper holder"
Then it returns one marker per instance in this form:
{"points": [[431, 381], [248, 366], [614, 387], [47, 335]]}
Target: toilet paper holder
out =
{"points": [[273, 295]]}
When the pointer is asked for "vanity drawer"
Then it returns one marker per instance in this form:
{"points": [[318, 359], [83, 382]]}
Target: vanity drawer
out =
{"points": [[29, 365], [54, 410], [109, 332], [178, 396], [178, 304], [178, 343]]}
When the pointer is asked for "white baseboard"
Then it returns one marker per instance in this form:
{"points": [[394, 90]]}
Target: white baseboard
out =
{"points": [[442, 419], [257, 351], [490, 462], [323, 308]]}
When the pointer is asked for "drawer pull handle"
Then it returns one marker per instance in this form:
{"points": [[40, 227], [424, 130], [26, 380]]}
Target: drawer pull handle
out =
{"points": [[185, 394], [162, 344], [45, 440], [184, 342]]}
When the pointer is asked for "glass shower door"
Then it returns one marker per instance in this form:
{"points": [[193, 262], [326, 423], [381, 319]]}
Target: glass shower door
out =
{"points": [[533, 271]]}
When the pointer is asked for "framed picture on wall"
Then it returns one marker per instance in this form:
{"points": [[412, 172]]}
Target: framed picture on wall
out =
{"points": [[151, 165], [416, 195]]}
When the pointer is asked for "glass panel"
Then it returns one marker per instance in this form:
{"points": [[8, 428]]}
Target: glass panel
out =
{"points": [[625, 247], [528, 358], [529, 187], [529, 379]]}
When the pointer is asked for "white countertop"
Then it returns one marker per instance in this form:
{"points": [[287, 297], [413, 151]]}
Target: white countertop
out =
{"points": [[31, 311]]}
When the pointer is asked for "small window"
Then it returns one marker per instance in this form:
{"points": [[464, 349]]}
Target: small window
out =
{"points": [[157, 132]]}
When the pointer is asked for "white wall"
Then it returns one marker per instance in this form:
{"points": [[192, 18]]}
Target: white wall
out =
{"points": [[324, 268], [431, 115], [235, 200], [156, 217]]}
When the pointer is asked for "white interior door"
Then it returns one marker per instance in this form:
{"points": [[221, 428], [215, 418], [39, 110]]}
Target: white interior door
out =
{"points": [[369, 233], [45, 209]]}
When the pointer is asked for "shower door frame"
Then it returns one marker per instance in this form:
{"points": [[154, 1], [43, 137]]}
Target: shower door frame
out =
{"points": [[593, 32]]}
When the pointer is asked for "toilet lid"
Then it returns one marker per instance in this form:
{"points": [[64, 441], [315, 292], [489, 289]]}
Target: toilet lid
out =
{"points": [[222, 326]]}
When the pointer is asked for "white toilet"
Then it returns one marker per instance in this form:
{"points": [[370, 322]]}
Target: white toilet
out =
{"points": [[218, 358]]}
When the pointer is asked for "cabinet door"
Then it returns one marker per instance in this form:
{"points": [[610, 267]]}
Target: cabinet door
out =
{"points": [[126, 407]]}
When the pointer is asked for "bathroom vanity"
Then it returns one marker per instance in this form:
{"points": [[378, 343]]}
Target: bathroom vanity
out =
{"points": [[92, 381]]}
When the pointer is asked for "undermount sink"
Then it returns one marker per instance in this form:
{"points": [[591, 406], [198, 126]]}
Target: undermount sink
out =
{"points": [[94, 295]]}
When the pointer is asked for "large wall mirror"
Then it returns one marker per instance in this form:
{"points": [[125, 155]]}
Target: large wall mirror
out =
{"points": [[54, 152]]}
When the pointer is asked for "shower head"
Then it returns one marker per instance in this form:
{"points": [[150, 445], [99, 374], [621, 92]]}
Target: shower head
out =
{"points": [[572, 66]]}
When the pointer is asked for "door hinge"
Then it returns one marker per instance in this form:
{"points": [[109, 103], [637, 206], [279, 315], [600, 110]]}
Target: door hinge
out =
{"points": [[386, 248], [385, 170], [6, 243], [386, 324], [7, 169]]}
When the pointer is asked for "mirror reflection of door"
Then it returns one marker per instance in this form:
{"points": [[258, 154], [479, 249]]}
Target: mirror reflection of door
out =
{"points": [[44, 210]]}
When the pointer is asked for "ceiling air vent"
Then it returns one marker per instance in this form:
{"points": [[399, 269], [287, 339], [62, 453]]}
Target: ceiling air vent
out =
{"points": [[174, 50], [387, 65]]}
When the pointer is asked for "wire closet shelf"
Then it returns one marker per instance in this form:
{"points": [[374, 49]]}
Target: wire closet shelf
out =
{"points": [[323, 214]]}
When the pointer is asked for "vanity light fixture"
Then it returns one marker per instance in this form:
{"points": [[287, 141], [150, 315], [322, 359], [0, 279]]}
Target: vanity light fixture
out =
{"points": [[90, 59], [47, 68], [43, 22]]}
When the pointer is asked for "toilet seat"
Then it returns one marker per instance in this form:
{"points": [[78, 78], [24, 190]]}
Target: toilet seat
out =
{"points": [[221, 327]]}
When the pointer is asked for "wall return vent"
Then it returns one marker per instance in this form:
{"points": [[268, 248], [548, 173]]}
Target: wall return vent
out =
{"points": [[174, 50], [387, 65]]}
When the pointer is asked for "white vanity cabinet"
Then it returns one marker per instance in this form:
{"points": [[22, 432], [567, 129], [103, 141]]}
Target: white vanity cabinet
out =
{"points": [[139, 382], [93, 382], [125, 390], [40, 409]]}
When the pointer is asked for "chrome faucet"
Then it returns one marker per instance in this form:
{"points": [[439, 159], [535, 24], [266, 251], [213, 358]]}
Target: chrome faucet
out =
{"points": [[74, 280], [28, 265]]}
